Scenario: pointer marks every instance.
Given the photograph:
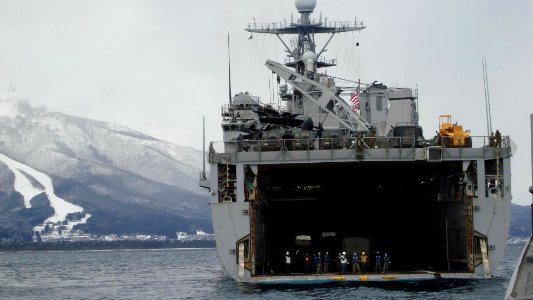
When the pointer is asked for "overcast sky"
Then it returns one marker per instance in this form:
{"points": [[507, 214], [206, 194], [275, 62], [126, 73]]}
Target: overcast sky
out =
{"points": [[160, 66]]}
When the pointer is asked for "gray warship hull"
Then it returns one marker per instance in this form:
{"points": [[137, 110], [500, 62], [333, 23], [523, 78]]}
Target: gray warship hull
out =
{"points": [[323, 174], [402, 201]]}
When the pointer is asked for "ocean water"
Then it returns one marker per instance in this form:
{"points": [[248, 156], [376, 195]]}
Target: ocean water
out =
{"points": [[196, 274]]}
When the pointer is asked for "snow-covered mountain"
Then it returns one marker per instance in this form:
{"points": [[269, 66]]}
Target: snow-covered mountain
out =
{"points": [[120, 176], [72, 145]]}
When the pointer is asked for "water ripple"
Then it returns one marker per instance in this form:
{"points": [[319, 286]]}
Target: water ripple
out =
{"points": [[196, 274]]}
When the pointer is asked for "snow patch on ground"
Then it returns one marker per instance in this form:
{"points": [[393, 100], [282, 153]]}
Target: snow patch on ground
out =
{"points": [[8, 107], [24, 186]]}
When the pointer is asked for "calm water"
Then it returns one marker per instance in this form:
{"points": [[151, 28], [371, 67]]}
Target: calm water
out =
{"points": [[196, 274]]}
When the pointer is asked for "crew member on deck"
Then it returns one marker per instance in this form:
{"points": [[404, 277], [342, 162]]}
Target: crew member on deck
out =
{"points": [[386, 262], [287, 263], [355, 263], [318, 262], [377, 258], [498, 139], [492, 140], [364, 261], [344, 262], [326, 262], [307, 260]]}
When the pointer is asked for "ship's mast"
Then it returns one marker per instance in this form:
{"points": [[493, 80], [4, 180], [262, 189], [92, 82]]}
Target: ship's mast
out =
{"points": [[306, 28], [317, 97]]}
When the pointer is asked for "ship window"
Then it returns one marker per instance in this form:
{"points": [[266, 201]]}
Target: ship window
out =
{"points": [[379, 103]]}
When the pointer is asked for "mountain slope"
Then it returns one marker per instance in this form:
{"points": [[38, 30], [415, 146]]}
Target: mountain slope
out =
{"points": [[127, 181], [520, 221]]}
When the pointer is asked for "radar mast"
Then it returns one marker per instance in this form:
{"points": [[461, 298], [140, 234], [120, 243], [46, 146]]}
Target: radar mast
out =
{"points": [[305, 28], [315, 95]]}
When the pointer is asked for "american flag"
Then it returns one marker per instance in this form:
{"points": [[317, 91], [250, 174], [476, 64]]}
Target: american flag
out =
{"points": [[355, 101]]}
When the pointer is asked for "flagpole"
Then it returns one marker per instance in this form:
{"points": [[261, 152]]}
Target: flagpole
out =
{"points": [[359, 90], [354, 100]]}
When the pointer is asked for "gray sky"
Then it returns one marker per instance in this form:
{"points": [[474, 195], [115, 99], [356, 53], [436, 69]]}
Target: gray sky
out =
{"points": [[159, 66]]}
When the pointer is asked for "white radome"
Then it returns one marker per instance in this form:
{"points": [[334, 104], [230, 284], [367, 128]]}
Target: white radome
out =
{"points": [[308, 55], [305, 6]]}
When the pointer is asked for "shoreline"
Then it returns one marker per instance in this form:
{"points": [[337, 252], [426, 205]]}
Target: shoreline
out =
{"points": [[104, 245]]}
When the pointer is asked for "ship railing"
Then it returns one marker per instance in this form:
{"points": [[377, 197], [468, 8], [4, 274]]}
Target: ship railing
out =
{"points": [[242, 106], [291, 60], [357, 143], [472, 142], [290, 23], [232, 110], [307, 144], [279, 25]]}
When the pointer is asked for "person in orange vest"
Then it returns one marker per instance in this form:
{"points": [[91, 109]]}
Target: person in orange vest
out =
{"points": [[364, 261]]}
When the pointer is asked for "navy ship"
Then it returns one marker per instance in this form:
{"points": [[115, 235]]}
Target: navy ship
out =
{"points": [[345, 169]]}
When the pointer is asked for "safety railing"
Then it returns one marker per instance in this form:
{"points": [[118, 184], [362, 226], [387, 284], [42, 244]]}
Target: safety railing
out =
{"points": [[335, 143]]}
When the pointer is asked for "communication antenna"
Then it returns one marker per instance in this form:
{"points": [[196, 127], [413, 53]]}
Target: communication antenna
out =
{"points": [[203, 149], [531, 186], [487, 96], [229, 72]]}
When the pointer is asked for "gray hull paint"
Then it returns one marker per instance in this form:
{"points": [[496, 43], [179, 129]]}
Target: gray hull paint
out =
{"points": [[374, 130], [231, 222]]}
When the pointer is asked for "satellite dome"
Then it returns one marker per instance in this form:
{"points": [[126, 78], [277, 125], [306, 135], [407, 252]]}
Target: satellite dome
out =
{"points": [[308, 55], [305, 6]]}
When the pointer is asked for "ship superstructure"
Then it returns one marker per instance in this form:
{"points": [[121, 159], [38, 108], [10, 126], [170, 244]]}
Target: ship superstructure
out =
{"points": [[323, 174]]}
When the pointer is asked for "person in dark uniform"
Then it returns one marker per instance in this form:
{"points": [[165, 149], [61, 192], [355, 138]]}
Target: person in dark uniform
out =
{"points": [[318, 262], [386, 262], [307, 260], [498, 139], [377, 259], [326, 262], [355, 263]]}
